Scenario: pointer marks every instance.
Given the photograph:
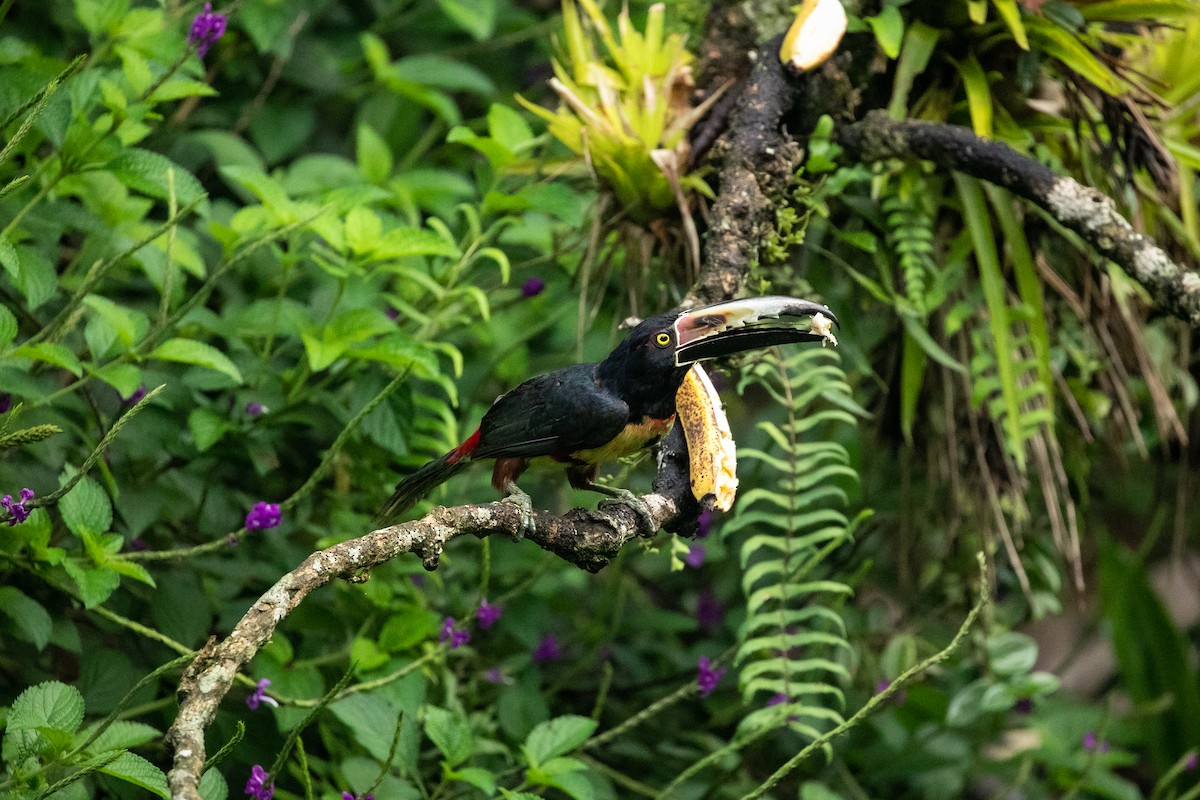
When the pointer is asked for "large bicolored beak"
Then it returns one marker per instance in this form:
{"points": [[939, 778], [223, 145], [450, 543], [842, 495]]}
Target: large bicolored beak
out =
{"points": [[735, 327]]}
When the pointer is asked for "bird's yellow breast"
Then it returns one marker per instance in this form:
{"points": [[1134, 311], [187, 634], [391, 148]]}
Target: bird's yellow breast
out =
{"points": [[634, 437]]}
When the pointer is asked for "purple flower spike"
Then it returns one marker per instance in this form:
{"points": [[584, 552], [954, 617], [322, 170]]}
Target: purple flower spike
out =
{"points": [[260, 696], [494, 675], [1089, 740], [456, 638], [5, 402], [349, 796], [1190, 764], [137, 395], [487, 614], [779, 698], [548, 649], [704, 523], [17, 509], [695, 557], [263, 515], [257, 787], [254, 409], [532, 287], [207, 27], [708, 676]]}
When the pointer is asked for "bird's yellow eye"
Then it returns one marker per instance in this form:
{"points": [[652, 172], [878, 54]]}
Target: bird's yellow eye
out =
{"points": [[663, 339]]}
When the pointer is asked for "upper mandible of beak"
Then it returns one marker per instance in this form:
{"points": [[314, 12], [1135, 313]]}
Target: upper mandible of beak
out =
{"points": [[727, 328]]}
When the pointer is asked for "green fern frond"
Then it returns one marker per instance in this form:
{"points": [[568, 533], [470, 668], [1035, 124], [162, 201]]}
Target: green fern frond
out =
{"points": [[910, 236], [793, 642]]}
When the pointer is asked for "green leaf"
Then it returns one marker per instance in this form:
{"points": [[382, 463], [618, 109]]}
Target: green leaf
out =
{"points": [[8, 326], [403, 242], [207, 427], [51, 705], [480, 778], [9, 259], [179, 88], [51, 353], [31, 620], [979, 95], [508, 127], [932, 349], [86, 509], [96, 584], [363, 230], [129, 325], [134, 769], [496, 153], [1011, 14], [476, 17], [966, 705], [189, 351], [1070, 51], [1122, 10], [120, 735], [125, 378], [151, 173], [912, 375], [888, 26], [1011, 653], [556, 737], [213, 785], [374, 156], [919, 43], [564, 774], [450, 732]]}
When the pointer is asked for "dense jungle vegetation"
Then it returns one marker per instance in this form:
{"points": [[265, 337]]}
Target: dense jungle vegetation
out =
{"points": [[260, 259]]}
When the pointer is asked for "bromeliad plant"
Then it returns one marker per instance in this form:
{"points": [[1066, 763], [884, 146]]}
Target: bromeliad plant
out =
{"points": [[627, 113]]}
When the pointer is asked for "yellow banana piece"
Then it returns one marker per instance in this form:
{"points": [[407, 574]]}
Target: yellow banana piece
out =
{"points": [[711, 450]]}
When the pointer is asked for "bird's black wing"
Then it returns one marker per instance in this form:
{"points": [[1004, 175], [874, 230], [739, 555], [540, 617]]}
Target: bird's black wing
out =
{"points": [[551, 415]]}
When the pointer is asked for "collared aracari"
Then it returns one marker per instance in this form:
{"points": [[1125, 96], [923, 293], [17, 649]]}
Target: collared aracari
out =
{"points": [[583, 415]]}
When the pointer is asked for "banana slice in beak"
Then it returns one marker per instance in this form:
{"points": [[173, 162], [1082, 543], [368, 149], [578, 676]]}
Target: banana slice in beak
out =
{"points": [[711, 451]]}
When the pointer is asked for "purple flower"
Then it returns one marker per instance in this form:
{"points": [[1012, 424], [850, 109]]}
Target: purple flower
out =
{"points": [[707, 676], [494, 675], [137, 545], [5, 402], [1190, 764], [254, 409], [1089, 740], [1023, 706], [263, 515], [487, 614], [695, 556], [207, 27], [709, 611], [418, 580], [137, 395], [260, 696], [532, 287], [704, 523], [349, 796], [257, 787], [548, 649], [393, 313], [17, 509], [779, 698], [456, 638]]}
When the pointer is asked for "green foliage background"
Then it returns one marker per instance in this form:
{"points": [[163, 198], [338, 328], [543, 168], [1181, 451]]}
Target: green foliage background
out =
{"points": [[316, 251]]}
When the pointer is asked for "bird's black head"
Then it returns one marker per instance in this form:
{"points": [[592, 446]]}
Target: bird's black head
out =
{"points": [[646, 368]]}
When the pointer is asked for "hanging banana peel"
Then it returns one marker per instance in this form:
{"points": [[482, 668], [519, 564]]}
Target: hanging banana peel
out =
{"points": [[711, 451]]}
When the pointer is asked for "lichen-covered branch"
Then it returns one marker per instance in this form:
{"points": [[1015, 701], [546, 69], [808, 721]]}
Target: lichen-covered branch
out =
{"points": [[1090, 213], [589, 539]]}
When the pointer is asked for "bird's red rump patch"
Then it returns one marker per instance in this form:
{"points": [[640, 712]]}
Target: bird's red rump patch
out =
{"points": [[464, 449]]}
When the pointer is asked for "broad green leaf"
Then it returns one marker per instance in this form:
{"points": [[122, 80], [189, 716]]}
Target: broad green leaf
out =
{"points": [[932, 349], [151, 173], [125, 378], [51, 705], [134, 769], [977, 11], [1011, 653], [450, 732], [213, 785], [120, 735], [96, 584], [912, 375], [508, 127], [565, 774], [919, 42], [9, 259], [189, 351], [476, 17], [374, 156], [496, 153], [363, 230], [28, 616], [888, 26], [1067, 48], [8, 327], [86, 509], [51, 353], [404, 242], [480, 778], [557, 737], [129, 325], [1122, 10], [207, 427], [179, 88], [966, 705]]}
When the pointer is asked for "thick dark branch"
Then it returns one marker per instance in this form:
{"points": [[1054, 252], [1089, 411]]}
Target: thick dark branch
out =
{"points": [[588, 539], [1091, 214], [758, 164]]}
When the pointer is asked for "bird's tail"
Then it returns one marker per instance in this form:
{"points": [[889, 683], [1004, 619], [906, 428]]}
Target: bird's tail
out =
{"points": [[410, 490]]}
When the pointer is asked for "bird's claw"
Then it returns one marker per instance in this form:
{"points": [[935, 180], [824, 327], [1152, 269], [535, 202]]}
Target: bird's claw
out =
{"points": [[522, 501], [631, 500]]}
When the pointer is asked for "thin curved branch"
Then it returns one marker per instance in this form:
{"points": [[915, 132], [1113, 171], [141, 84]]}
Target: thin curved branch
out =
{"points": [[1088, 212], [589, 539]]}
